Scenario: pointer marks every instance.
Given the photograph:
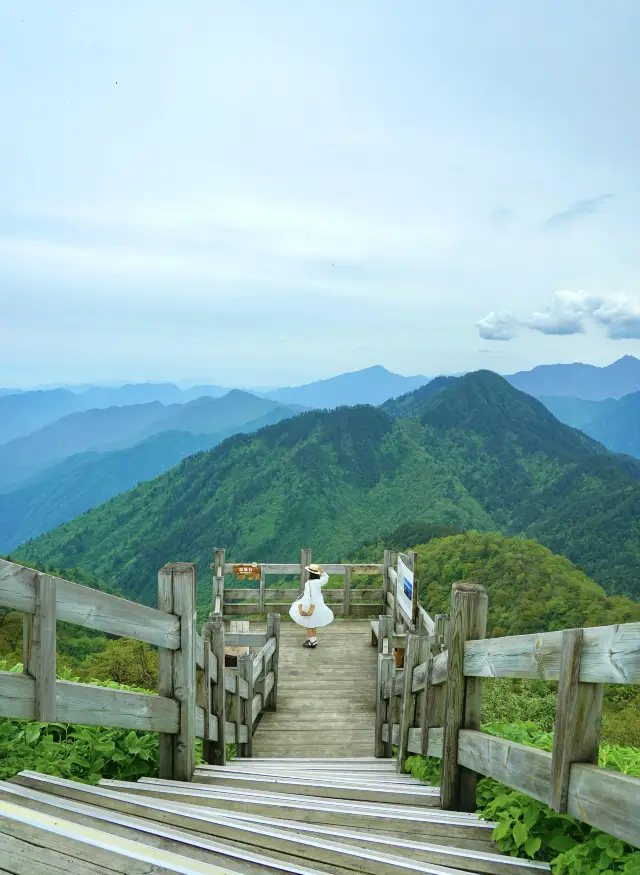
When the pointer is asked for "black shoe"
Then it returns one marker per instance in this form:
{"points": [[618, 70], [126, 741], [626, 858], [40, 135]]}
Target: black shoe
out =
{"points": [[310, 644]]}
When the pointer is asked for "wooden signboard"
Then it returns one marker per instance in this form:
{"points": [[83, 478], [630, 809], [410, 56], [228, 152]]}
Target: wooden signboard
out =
{"points": [[246, 571]]}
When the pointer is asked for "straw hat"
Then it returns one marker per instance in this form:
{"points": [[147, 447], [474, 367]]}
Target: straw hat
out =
{"points": [[317, 569]]}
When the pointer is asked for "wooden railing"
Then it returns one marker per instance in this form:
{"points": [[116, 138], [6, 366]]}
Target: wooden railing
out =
{"points": [[433, 707], [198, 697], [260, 598]]}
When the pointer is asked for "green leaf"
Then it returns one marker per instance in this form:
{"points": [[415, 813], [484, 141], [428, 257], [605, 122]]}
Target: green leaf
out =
{"points": [[532, 845], [520, 833], [531, 816], [562, 843], [502, 830]]}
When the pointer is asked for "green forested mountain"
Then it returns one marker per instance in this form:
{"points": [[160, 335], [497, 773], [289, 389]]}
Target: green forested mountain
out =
{"points": [[477, 455], [530, 588]]}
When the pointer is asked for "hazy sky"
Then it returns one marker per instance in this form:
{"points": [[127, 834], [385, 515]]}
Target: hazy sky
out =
{"points": [[272, 192]]}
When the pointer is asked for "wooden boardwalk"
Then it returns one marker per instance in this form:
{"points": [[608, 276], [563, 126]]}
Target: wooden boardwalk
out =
{"points": [[326, 696]]}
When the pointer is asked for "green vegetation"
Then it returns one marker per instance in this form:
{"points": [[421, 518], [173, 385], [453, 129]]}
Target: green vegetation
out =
{"points": [[477, 454], [527, 828]]}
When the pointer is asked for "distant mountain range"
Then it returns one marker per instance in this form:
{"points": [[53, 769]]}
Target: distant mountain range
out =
{"points": [[614, 422], [119, 427], [473, 453], [587, 382]]}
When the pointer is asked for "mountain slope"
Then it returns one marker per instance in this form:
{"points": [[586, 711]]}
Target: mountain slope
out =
{"points": [[617, 425], [120, 427], [323, 478], [369, 386], [581, 381], [477, 454]]}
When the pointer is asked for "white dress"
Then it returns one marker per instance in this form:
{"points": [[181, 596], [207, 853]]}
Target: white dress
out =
{"points": [[322, 614]]}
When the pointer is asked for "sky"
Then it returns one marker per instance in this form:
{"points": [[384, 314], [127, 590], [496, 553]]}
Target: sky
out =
{"points": [[262, 193]]}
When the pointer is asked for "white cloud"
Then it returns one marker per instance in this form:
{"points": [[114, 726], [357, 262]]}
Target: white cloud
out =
{"points": [[565, 315], [621, 316], [497, 326]]}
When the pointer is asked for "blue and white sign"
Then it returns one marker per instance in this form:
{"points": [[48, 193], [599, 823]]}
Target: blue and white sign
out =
{"points": [[404, 589]]}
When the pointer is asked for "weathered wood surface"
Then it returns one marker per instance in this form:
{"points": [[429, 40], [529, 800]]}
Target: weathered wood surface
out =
{"points": [[184, 667], [279, 595], [331, 567], [425, 621], [407, 705], [518, 766], [40, 652], [120, 849], [610, 654], [468, 621], [607, 800], [89, 607], [90, 705], [578, 720], [325, 696], [245, 639], [386, 666], [216, 752], [414, 744], [358, 610]]}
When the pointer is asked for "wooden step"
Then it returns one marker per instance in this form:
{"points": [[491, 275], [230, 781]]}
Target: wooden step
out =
{"points": [[392, 794], [370, 778], [158, 835], [287, 842], [33, 842]]}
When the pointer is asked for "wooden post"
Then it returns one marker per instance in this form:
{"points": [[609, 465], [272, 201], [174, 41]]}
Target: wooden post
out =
{"points": [[244, 714], [305, 559], [407, 707], [388, 708], [441, 631], [184, 670], [464, 695], [385, 630], [385, 666], [165, 672], [578, 720], [425, 717], [262, 586], [275, 620], [386, 583], [415, 595], [217, 606], [347, 591], [39, 648], [206, 702], [213, 634]]}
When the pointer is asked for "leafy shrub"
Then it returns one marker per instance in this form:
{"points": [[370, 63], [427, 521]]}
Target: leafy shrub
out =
{"points": [[528, 828]]}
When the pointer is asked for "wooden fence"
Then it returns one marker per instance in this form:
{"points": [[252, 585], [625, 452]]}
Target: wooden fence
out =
{"points": [[260, 598], [433, 707], [198, 697]]}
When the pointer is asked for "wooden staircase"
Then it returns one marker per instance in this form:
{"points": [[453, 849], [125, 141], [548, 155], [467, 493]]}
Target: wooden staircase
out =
{"points": [[303, 816]]}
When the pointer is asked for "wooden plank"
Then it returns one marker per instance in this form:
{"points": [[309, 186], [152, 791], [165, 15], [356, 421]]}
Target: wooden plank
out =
{"points": [[89, 607], [216, 752], [578, 720], [407, 707], [199, 647], [347, 592], [284, 568], [425, 621], [165, 672], [245, 639], [219, 571], [245, 671], [393, 577], [262, 588], [425, 717], [184, 668], [241, 594], [41, 663], [118, 846], [359, 610], [519, 766], [260, 657], [610, 654], [434, 741], [90, 705], [271, 701], [441, 631], [386, 666], [280, 595], [607, 800], [468, 621]]}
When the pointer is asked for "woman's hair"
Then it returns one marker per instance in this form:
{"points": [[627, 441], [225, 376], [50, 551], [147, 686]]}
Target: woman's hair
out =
{"points": [[313, 575]]}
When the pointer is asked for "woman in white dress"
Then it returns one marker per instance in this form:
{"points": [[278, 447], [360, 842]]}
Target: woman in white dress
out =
{"points": [[310, 607]]}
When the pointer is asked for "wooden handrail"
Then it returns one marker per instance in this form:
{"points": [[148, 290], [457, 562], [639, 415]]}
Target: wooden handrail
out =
{"points": [[567, 779], [194, 686]]}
